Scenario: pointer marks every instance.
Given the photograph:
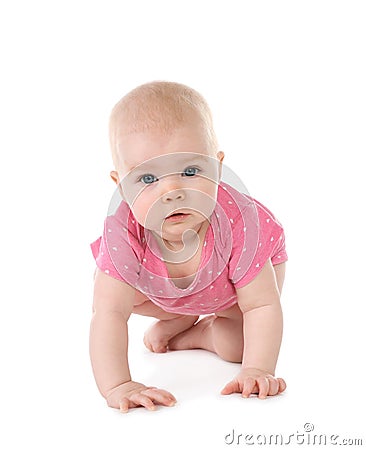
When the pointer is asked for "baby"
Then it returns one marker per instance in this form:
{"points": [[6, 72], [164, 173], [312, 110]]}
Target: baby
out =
{"points": [[182, 243]]}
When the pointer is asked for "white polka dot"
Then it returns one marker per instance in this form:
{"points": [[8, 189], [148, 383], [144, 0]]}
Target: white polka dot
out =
{"points": [[211, 287], [106, 271], [145, 287], [200, 296], [257, 265], [268, 220], [218, 273], [224, 188], [204, 244], [132, 221], [126, 267], [143, 240], [160, 291], [202, 304], [144, 259], [260, 244], [245, 249], [217, 215], [124, 228], [114, 248], [231, 220], [191, 288], [238, 268], [279, 256], [225, 286], [216, 299], [230, 202], [245, 229], [210, 271], [272, 239], [109, 230], [280, 237], [102, 253], [151, 277]]}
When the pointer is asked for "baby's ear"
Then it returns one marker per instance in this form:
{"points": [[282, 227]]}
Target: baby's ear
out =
{"points": [[220, 156], [114, 176]]}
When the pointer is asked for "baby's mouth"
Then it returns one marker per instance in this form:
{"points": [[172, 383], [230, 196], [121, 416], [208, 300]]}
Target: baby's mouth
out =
{"points": [[177, 217]]}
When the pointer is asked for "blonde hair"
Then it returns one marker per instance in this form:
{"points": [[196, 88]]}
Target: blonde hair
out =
{"points": [[162, 106]]}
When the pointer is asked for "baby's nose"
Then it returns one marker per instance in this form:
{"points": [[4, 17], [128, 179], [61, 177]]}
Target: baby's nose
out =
{"points": [[173, 195]]}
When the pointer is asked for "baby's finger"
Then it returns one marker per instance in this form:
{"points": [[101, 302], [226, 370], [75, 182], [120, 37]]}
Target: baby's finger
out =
{"points": [[273, 386], [160, 396], [123, 405], [248, 386], [143, 400], [230, 388], [263, 385], [282, 385]]}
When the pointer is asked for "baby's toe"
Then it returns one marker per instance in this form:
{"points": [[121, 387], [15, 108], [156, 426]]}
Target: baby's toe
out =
{"points": [[148, 344], [160, 348]]}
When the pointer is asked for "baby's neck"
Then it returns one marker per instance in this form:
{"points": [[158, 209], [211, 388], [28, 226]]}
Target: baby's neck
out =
{"points": [[181, 250]]}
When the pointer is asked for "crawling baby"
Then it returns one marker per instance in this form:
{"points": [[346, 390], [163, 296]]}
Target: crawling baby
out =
{"points": [[181, 244]]}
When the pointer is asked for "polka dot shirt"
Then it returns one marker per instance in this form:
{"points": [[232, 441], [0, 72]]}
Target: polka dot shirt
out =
{"points": [[243, 234]]}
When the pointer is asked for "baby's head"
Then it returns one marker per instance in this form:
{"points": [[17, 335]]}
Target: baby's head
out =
{"points": [[165, 155], [158, 108]]}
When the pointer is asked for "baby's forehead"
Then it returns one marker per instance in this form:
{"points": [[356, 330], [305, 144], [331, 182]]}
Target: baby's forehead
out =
{"points": [[175, 159]]}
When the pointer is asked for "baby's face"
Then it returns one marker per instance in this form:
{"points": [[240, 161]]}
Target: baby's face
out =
{"points": [[164, 174]]}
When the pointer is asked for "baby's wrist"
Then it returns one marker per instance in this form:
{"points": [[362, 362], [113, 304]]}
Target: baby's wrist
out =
{"points": [[256, 370], [111, 391]]}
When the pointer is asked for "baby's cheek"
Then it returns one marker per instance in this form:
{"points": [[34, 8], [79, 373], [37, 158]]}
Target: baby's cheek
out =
{"points": [[145, 213], [203, 199], [138, 208]]}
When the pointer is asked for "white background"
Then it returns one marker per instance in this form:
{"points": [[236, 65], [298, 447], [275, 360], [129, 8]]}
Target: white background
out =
{"points": [[286, 84]]}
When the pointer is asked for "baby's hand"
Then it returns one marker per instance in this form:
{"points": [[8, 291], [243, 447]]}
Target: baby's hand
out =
{"points": [[132, 395], [255, 381]]}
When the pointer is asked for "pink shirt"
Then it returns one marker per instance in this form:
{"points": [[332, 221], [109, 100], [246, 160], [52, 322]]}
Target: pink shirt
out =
{"points": [[243, 234]]}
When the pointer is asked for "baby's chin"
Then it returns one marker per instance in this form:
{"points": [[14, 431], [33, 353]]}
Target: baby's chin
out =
{"points": [[176, 227]]}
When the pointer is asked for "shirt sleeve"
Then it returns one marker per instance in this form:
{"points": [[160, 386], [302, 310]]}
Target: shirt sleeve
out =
{"points": [[117, 252], [256, 236]]}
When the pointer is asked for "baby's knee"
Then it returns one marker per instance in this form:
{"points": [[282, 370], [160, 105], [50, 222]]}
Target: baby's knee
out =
{"points": [[233, 353], [228, 340]]}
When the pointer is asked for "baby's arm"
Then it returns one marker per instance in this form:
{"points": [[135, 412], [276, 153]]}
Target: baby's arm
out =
{"points": [[259, 302], [112, 307]]}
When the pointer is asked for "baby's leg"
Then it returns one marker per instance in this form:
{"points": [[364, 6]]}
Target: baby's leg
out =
{"points": [[169, 325], [221, 333]]}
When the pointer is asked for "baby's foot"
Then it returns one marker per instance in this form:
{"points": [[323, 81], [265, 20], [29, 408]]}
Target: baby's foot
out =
{"points": [[157, 336], [198, 336]]}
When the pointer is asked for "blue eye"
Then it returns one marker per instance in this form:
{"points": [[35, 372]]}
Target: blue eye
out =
{"points": [[148, 178], [190, 171]]}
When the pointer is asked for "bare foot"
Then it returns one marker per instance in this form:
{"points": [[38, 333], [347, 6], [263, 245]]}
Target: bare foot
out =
{"points": [[157, 337], [198, 336]]}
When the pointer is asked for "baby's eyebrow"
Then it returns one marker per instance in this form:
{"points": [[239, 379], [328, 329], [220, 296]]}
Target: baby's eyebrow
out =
{"points": [[143, 168]]}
